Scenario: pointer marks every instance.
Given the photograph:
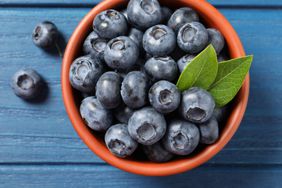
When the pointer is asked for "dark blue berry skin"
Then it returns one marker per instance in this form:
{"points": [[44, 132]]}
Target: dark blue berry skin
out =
{"points": [[94, 45], [26, 83], [182, 137], [192, 37], [121, 53], [161, 68], [134, 89], [159, 40], [182, 16], [143, 14], [110, 24], [157, 153], [123, 113], [220, 113], [166, 14], [137, 36], [216, 39], [221, 57], [95, 115], [119, 142], [108, 90], [147, 126], [85, 72], [184, 61], [124, 12], [197, 105], [45, 35], [209, 131], [164, 97]]}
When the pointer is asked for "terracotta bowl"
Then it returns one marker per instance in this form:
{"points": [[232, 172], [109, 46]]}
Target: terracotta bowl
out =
{"points": [[213, 18]]}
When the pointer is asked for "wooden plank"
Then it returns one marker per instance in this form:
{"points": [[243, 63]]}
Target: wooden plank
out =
{"points": [[89, 3], [37, 133], [76, 176]]}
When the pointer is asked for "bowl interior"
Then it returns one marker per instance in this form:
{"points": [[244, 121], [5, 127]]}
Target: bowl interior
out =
{"points": [[212, 18]]}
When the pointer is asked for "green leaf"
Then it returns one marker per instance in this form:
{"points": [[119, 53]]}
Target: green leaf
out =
{"points": [[229, 80], [200, 72]]}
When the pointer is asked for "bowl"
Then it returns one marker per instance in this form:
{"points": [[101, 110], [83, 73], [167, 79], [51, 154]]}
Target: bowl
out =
{"points": [[213, 18]]}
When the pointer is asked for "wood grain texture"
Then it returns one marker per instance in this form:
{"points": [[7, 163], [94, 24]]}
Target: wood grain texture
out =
{"points": [[76, 176]]}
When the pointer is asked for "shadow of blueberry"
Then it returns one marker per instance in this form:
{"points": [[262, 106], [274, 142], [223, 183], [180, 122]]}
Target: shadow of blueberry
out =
{"points": [[58, 48]]}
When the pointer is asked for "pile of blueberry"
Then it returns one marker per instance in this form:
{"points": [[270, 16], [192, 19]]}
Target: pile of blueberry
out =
{"points": [[128, 73]]}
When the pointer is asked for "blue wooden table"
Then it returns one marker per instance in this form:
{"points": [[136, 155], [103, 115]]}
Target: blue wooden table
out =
{"points": [[39, 147]]}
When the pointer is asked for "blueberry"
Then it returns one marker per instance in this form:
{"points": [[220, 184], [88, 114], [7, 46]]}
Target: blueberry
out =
{"points": [[95, 115], [221, 57], [124, 12], [84, 73], [123, 113], [143, 14], [166, 14], [26, 83], [164, 97], [110, 24], [134, 89], [184, 61], [157, 153], [181, 138], [45, 34], [147, 126], [108, 90], [220, 113], [159, 40], [192, 37], [94, 45], [216, 39], [121, 53], [162, 68], [119, 142], [182, 16], [197, 105], [137, 36], [209, 131]]}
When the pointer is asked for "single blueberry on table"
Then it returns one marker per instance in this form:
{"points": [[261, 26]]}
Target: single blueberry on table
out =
{"points": [[216, 39], [95, 115], [164, 97], [159, 40], [161, 68], [182, 16], [94, 45], [45, 35], [166, 14], [108, 90], [134, 89], [137, 36], [157, 153], [121, 53], [209, 131], [184, 61], [123, 113], [85, 72], [119, 142], [181, 138], [147, 126], [110, 24], [143, 14], [26, 83], [192, 37], [197, 105]]}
